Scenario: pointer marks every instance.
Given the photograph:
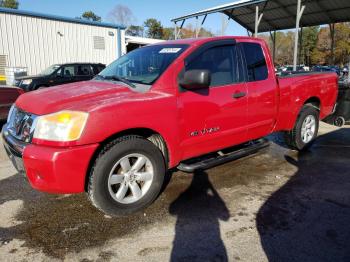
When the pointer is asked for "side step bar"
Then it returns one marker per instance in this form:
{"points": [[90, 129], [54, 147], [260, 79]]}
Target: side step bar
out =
{"points": [[219, 158]]}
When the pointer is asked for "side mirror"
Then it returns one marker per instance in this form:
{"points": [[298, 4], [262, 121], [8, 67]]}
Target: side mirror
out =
{"points": [[195, 79]]}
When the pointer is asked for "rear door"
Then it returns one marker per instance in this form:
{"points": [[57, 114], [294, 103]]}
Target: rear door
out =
{"points": [[214, 118], [261, 89], [96, 69], [82, 73]]}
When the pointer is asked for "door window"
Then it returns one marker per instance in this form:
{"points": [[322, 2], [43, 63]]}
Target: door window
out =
{"points": [[97, 69], [68, 71], [220, 63], [255, 60], [83, 70]]}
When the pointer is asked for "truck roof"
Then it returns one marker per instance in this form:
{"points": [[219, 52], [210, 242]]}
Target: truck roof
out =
{"points": [[202, 40]]}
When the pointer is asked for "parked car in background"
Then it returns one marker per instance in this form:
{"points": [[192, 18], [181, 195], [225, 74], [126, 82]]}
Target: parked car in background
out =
{"points": [[8, 95], [59, 75], [319, 68], [288, 70], [335, 69]]}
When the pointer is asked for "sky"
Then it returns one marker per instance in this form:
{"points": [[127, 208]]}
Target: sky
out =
{"points": [[164, 10]]}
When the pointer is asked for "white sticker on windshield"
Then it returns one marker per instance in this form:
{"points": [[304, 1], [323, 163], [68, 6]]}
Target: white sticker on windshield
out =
{"points": [[169, 50]]}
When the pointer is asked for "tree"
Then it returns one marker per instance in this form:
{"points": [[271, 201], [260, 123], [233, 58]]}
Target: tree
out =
{"points": [[135, 30], [318, 57], [206, 33], [121, 14], [321, 53], [89, 15], [316, 46], [309, 43], [342, 43], [168, 33], [13, 4], [155, 28], [341, 55], [190, 31]]}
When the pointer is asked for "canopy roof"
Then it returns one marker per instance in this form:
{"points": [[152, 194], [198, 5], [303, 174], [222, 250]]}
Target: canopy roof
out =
{"points": [[280, 14]]}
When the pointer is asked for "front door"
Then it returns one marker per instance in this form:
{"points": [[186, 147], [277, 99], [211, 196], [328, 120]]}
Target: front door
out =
{"points": [[64, 75], [214, 118]]}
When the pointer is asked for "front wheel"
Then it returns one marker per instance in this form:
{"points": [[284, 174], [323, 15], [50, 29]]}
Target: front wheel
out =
{"points": [[305, 130], [127, 176]]}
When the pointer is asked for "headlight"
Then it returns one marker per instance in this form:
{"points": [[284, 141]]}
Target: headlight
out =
{"points": [[62, 126], [27, 81]]}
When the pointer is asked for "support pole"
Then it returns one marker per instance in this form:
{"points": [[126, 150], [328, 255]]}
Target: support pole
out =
{"points": [[300, 45], [332, 31], [224, 24], [198, 28], [177, 33], [300, 11], [257, 20]]}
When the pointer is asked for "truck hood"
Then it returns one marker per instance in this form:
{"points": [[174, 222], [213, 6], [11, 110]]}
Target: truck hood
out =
{"points": [[82, 96]]}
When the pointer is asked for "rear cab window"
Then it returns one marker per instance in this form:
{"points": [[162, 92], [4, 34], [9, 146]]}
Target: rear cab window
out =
{"points": [[255, 62]]}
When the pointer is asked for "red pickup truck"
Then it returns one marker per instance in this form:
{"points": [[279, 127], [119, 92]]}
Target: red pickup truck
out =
{"points": [[174, 104]]}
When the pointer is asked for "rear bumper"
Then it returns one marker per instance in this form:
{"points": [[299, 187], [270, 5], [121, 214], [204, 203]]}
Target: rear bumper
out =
{"points": [[50, 169]]}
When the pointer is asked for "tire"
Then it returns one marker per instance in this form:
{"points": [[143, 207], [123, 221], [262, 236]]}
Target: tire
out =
{"points": [[339, 121], [111, 174], [294, 138]]}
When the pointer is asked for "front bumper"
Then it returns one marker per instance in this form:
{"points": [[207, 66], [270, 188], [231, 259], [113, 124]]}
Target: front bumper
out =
{"points": [[14, 149], [50, 169]]}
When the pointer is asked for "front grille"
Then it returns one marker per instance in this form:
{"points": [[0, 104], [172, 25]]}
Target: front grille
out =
{"points": [[21, 124]]}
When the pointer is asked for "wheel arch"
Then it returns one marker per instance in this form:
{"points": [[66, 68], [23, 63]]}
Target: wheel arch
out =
{"points": [[314, 101], [293, 113]]}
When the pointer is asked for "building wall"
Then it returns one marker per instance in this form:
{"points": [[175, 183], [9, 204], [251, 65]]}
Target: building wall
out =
{"points": [[37, 43]]}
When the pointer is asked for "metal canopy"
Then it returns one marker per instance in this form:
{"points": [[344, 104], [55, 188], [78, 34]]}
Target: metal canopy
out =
{"points": [[272, 15], [280, 14]]}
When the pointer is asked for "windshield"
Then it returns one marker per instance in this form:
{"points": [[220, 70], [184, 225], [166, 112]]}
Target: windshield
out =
{"points": [[50, 70], [144, 65]]}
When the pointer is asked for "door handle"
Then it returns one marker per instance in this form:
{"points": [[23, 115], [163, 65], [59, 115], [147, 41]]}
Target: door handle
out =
{"points": [[239, 95]]}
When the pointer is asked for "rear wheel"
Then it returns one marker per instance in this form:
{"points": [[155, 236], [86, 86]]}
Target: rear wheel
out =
{"points": [[339, 121], [127, 176], [305, 130]]}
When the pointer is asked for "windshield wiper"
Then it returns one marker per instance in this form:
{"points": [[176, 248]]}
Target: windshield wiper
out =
{"points": [[117, 78]]}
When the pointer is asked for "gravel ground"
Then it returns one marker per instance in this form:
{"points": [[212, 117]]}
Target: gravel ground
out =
{"points": [[277, 205]]}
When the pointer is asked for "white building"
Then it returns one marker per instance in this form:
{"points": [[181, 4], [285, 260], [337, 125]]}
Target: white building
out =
{"points": [[133, 42], [35, 41]]}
